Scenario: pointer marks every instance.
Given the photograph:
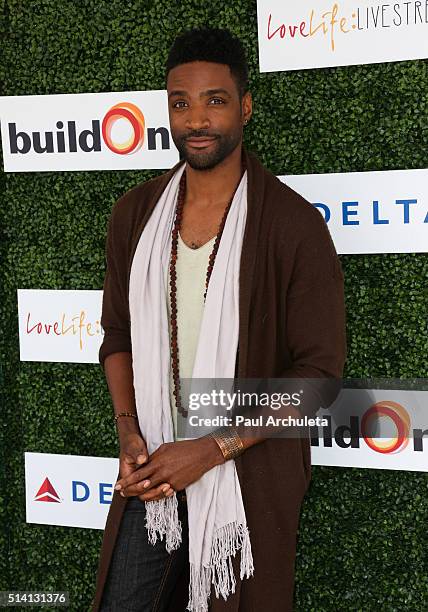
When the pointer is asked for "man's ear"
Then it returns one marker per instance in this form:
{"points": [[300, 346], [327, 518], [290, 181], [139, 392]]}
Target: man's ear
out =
{"points": [[247, 106]]}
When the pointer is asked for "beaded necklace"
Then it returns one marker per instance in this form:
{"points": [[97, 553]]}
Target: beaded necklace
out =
{"points": [[173, 279]]}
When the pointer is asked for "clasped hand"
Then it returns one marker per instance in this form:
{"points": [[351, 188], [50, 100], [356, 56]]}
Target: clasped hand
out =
{"points": [[177, 463]]}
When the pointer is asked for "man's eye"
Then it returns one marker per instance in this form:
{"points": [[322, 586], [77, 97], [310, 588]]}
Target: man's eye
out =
{"points": [[178, 104], [217, 100]]}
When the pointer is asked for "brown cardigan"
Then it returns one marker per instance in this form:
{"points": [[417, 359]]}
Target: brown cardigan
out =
{"points": [[292, 324]]}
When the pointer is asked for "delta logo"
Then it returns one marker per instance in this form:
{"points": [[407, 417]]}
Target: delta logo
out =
{"points": [[384, 413], [47, 493], [122, 130], [80, 492]]}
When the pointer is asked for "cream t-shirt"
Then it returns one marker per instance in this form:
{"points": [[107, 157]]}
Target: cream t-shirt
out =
{"points": [[191, 268]]}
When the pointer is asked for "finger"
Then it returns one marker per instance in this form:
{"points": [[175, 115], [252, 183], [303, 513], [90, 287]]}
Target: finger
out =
{"points": [[159, 492], [159, 497], [137, 452], [142, 458], [127, 463], [138, 459], [142, 486], [142, 455], [136, 476]]}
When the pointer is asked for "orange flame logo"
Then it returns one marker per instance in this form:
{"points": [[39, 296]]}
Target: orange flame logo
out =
{"points": [[399, 417], [132, 114]]}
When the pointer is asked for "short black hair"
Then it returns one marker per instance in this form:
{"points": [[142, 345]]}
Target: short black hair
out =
{"points": [[211, 45]]}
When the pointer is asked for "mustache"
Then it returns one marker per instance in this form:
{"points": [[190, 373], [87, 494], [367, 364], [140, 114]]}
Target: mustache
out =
{"points": [[199, 134]]}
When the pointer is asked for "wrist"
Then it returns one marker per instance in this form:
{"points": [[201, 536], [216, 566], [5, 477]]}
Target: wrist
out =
{"points": [[126, 426], [211, 451], [229, 442]]}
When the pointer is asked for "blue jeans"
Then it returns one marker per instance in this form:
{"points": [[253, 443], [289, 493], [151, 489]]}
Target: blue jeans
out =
{"points": [[141, 576]]}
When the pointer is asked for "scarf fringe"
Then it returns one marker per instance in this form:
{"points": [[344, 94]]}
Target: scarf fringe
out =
{"points": [[226, 542], [162, 520]]}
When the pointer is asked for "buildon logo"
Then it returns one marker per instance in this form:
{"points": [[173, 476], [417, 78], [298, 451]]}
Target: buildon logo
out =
{"points": [[385, 427], [386, 410], [122, 130], [124, 111]]}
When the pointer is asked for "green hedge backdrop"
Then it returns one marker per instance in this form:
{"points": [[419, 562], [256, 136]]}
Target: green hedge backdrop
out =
{"points": [[362, 539]]}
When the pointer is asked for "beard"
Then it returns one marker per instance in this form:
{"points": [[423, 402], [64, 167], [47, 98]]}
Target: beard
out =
{"points": [[222, 147]]}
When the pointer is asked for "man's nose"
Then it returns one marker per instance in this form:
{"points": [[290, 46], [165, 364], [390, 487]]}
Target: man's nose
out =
{"points": [[197, 118]]}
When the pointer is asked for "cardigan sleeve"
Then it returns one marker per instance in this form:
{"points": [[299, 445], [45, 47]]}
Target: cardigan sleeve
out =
{"points": [[315, 315], [115, 308]]}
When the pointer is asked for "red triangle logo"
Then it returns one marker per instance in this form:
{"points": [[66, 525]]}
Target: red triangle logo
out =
{"points": [[47, 493]]}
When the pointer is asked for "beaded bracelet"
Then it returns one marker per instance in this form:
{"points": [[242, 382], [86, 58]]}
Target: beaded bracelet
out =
{"points": [[229, 442], [131, 414]]}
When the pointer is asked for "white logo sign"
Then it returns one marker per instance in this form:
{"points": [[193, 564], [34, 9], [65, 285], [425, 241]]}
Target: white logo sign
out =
{"points": [[68, 489], [309, 34], [370, 212], [349, 443], [59, 325], [94, 131]]}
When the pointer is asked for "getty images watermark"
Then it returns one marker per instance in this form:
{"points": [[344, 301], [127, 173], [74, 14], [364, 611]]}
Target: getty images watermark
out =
{"points": [[257, 407], [302, 407], [198, 401]]}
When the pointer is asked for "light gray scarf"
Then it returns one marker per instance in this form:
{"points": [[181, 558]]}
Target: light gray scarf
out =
{"points": [[217, 522]]}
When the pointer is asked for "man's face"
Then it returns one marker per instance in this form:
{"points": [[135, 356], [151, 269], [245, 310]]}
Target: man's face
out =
{"points": [[205, 112]]}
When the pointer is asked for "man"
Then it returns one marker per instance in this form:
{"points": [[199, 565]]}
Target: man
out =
{"points": [[169, 240]]}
